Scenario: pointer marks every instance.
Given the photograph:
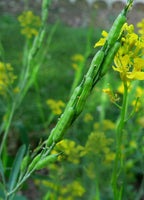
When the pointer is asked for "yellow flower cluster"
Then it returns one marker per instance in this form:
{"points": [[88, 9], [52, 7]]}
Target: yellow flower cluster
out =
{"points": [[55, 106], [66, 192], [88, 117], [141, 26], [106, 125], [72, 152], [120, 89], [29, 23], [128, 60], [78, 59], [98, 143], [74, 189], [113, 97], [6, 76]]}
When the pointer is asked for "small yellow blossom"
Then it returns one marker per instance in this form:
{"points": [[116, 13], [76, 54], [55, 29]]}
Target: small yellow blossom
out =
{"points": [[121, 88], [77, 57], [109, 158], [141, 26], [133, 144], [74, 189], [29, 23], [113, 97], [128, 59], [72, 152], [97, 143], [141, 121], [55, 106], [16, 90], [102, 40], [106, 125], [138, 105], [88, 117], [6, 77], [75, 66], [90, 170], [139, 91]]}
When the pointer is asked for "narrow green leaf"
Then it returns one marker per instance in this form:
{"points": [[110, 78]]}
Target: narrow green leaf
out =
{"points": [[23, 134], [2, 171], [16, 167]]}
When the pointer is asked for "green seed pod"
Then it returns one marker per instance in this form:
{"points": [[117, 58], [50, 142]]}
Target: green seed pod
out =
{"points": [[95, 64], [83, 97], [34, 162], [43, 163], [116, 29], [24, 163], [74, 96], [109, 58], [64, 122]]}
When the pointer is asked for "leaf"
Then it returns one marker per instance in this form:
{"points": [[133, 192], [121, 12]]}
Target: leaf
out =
{"points": [[2, 171], [23, 134], [16, 167]]}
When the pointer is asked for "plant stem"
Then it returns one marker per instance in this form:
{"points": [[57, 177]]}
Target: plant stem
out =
{"points": [[7, 125], [119, 132]]}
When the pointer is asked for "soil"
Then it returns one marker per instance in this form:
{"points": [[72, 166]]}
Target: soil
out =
{"points": [[75, 14]]}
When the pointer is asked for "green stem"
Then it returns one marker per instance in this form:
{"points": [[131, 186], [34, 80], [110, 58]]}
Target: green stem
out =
{"points": [[119, 132], [7, 125]]}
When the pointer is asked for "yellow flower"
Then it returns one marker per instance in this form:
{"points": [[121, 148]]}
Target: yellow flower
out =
{"points": [[121, 88], [88, 117], [138, 105], [55, 106], [128, 59], [90, 170], [133, 144], [77, 57], [141, 26], [139, 91], [97, 144], [6, 77], [73, 189], [75, 66], [72, 152], [102, 40], [109, 157], [16, 90], [29, 23], [106, 125], [141, 121], [113, 97]]}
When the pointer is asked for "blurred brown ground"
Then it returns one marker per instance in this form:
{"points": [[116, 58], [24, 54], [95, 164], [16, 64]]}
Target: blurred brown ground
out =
{"points": [[77, 14]]}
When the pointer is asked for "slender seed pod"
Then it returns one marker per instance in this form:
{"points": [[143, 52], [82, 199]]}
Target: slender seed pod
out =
{"points": [[95, 64], [45, 6], [34, 162], [24, 163], [109, 58], [83, 97], [116, 29], [74, 96], [43, 163], [58, 132]]}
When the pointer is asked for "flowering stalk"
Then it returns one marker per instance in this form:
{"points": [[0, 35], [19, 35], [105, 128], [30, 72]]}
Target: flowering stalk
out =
{"points": [[119, 131]]}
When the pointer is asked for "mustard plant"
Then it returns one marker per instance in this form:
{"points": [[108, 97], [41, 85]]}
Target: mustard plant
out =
{"points": [[25, 165]]}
